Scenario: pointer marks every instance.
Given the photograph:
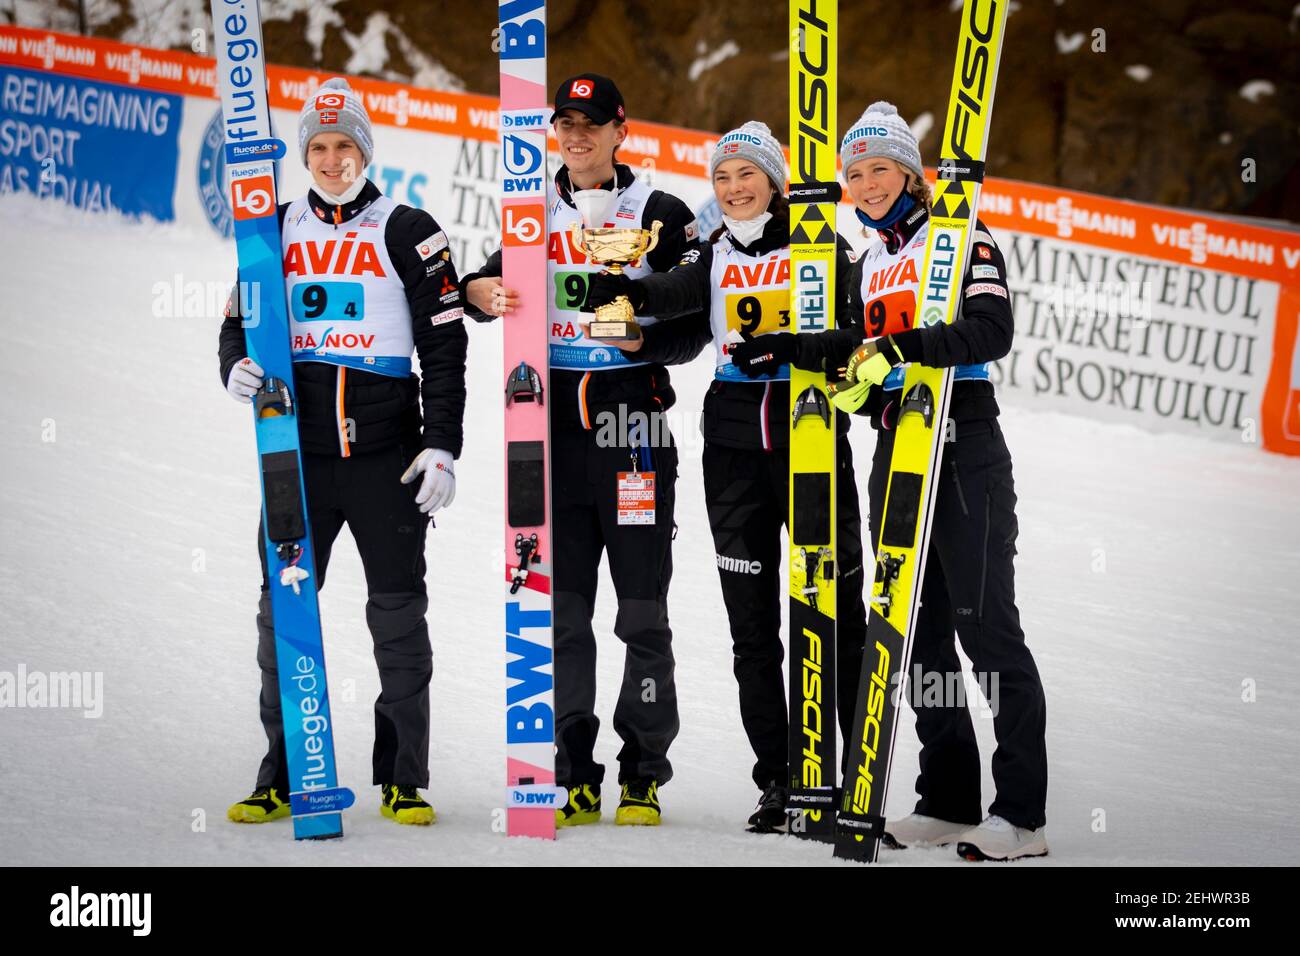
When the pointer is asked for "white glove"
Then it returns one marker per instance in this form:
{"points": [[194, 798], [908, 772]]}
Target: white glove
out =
{"points": [[438, 489], [245, 380]]}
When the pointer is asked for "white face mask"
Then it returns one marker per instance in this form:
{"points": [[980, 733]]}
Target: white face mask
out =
{"points": [[593, 205], [745, 231], [344, 198]]}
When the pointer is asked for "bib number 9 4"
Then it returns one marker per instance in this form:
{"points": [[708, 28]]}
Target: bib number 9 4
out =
{"points": [[328, 302]]}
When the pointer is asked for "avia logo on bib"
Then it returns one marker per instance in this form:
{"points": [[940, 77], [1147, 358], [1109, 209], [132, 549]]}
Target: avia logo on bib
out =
{"points": [[896, 274], [561, 249], [332, 258], [773, 272]]}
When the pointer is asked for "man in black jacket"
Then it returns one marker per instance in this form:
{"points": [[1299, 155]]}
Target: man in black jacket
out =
{"points": [[595, 394], [369, 281]]}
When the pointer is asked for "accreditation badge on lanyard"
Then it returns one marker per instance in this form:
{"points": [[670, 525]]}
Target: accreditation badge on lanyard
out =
{"points": [[636, 489], [636, 497]]}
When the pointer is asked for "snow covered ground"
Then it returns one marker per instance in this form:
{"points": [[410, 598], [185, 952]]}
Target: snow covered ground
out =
{"points": [[1157, 578]]}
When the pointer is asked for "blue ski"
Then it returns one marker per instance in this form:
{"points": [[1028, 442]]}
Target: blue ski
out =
{"points": [[251, 154]]}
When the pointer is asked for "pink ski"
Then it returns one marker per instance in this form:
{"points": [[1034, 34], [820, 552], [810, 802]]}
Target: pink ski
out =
{"points": [[531, 795]]}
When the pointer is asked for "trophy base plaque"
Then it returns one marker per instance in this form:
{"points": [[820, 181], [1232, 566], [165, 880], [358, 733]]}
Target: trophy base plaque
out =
{"points": [[615, 331]]}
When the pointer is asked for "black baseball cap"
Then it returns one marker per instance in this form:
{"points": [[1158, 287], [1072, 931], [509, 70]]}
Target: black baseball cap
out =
{"points": [[592, 94]]}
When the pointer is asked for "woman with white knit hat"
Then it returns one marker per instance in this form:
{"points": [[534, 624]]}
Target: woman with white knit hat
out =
{"points": [[369, 282], [969, 584], [738, 288]]}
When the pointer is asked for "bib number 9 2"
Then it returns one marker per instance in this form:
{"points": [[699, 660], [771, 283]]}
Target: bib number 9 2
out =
{"points": [[570, 290]]}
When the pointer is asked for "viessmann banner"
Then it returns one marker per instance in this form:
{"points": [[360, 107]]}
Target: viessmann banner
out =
{"points": [[1171, 320]]}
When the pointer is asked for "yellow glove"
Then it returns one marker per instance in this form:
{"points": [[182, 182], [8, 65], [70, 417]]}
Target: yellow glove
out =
{"points": [[867, 366], [847, 396]]}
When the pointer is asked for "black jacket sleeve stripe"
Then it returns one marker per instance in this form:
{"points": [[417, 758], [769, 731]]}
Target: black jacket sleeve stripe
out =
{"points": [[984, 328], [441, 343]]}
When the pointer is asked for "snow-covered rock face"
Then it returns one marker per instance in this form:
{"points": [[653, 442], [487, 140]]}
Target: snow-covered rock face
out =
{"points": [[1256, 90], [1070, 109]]}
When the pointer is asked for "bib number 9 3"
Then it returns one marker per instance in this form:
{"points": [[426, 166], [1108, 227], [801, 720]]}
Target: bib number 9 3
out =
{"points": [[755, 313]]}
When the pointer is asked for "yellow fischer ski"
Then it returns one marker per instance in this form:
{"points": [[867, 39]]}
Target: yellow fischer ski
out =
{"points": [[814, 193], [919, 437]]}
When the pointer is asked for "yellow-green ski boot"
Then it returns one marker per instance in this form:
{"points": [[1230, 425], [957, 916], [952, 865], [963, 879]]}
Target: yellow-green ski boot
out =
{"points": [[405, 805], [261, 806], [583, 806], [639, 804]]}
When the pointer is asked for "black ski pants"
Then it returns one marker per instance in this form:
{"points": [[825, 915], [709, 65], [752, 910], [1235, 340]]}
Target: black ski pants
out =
{"points": [[746, 491], [364, 492], [584, 493], [969, 589]]}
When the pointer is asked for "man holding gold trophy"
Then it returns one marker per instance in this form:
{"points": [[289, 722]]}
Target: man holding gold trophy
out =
{"points": [[614, 463]]}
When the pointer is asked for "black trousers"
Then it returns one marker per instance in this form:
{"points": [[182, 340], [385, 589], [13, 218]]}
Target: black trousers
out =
{"points": [[364, 492], [969, 589], [746, 491], [584, 492]]}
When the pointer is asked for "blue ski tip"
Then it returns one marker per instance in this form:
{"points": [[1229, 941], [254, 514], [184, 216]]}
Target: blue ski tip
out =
{"points": [[254, 150], [313, 802], [324, 826]]}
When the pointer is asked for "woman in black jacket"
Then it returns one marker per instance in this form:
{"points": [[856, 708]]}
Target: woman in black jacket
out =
{"points": [[969, 582], [738, 287]]}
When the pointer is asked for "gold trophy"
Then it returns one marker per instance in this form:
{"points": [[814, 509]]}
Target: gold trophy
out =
{"points": [[615, 248]]}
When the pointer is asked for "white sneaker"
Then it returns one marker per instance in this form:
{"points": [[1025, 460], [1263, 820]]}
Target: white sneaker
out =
{"points": [[996, 839], [920, 830]]}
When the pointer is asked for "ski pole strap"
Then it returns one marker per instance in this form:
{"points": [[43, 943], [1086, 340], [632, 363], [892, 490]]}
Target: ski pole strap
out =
{"points": [[960, 170], [850, 823], [812, 194]]}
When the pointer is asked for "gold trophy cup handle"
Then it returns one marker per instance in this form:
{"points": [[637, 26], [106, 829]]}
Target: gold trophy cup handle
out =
{"points": [[654, 236], [575, 233]]}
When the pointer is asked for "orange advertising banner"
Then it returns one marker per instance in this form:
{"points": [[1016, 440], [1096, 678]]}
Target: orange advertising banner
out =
{"points": [[1191, 241]]}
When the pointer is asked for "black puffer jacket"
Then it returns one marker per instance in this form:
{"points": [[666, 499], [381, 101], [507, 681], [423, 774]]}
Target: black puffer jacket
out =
{"points": [[378, 411]]}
